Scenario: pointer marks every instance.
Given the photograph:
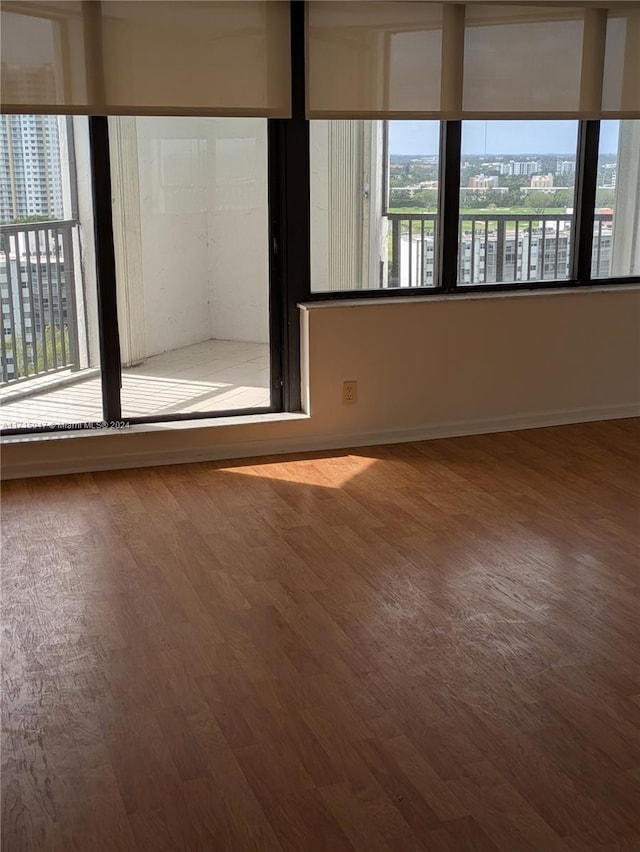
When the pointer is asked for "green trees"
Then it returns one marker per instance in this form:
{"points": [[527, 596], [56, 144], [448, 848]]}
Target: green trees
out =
{"points": [[539, 202], [543, 202], [422, 201], [35, 362], [605, 197]]}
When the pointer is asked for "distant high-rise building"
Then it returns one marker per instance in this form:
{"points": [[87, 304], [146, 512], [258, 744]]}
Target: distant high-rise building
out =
{"points": [[609, 176], [565, 167], [514, 168], [30, 172]]}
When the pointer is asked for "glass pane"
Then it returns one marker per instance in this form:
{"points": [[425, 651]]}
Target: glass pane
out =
{"points": [[191, 239], [374, 202], [517, 189], [50, 350], [616, 230]]}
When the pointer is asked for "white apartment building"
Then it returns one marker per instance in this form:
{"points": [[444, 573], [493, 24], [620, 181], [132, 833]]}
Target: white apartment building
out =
{"points": [[36, 313], [565, 167], [537, 253], [514, 168], [609, 176], [30, 168]]}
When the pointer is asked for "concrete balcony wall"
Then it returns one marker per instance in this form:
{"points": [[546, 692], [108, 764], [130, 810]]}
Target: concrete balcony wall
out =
{"points": [[192, 239], [238, 227], [174, 231], [348, 229]]}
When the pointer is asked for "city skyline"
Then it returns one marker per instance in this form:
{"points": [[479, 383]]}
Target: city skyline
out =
{"points": [[498, 137]]}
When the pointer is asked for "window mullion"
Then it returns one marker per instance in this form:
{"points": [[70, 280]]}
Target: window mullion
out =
{"points": [[105, 269], [293, 211], [449, 205], [585, 204]]}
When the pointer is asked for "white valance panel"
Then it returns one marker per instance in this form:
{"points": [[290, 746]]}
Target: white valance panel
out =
{"points": [[473, 60], [153, 57]]}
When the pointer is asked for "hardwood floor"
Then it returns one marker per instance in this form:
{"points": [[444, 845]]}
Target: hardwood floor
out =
{"points": [[429, 646]]}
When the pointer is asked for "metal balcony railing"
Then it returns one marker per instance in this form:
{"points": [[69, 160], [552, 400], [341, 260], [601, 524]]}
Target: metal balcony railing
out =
{"points": [[493, 248], [38, 297], [409, 267], [514, 247], [602, 238]]}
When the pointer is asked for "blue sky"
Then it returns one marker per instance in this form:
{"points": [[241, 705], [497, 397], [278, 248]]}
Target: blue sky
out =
{"points": [[502, 137]]}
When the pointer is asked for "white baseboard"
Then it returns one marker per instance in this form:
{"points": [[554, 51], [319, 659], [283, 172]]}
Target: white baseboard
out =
{"points": [[19, 466]]}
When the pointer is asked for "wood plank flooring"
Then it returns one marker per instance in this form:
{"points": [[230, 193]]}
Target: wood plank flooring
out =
{"points": [[429, 646]]}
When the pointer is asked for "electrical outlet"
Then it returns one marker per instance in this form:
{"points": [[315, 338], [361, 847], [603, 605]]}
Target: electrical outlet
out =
{"points": [[349, 391]]}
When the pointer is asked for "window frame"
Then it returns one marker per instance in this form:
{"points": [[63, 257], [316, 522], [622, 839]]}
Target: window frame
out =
{"points": [[281, 367], [447, 229]]}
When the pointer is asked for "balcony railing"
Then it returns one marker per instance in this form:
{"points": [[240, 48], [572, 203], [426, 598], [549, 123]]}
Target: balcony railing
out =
{"points": [[38, 295], [412, 249], [602, 238], [493, 248]]}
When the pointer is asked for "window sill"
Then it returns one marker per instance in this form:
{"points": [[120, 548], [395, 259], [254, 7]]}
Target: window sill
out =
{"points": [[151, 428], [345, 300]]}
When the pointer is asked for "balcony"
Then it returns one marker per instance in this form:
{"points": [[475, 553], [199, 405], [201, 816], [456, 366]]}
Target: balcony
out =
{"points": [[50, 372], [493, 248]]}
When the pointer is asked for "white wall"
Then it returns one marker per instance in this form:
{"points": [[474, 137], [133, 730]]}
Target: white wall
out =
{"points": [[454, 362], [204, 230], [424, 368], [172, 164], [239, 230]]}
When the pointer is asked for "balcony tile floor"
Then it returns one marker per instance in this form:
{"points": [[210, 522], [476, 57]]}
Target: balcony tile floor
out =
{"points": [[215, 375]]}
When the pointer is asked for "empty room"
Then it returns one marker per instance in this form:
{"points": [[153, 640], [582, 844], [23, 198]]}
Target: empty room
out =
{"points": [[320, 426]]}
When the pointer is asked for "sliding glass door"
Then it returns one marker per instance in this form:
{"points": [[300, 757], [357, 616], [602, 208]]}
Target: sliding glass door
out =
{"points": [[189, 210]]}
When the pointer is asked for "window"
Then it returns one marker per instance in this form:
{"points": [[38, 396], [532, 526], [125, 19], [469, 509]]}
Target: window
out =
{"points": [[517, 200], [517, 211], [376, 196], [516, 205], [374, 204]]}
